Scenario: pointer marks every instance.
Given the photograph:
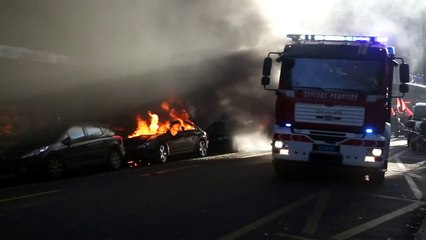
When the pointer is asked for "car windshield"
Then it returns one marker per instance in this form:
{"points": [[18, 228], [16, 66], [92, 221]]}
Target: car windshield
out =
{"points": [[332, 75]]}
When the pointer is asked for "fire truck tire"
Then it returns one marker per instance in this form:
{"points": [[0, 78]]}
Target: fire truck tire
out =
{"points": [[377, 177], [163, 153]]}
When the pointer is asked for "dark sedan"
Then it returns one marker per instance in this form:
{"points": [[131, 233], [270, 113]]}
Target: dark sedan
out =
{"points": [[63, 147], [179, 138]]}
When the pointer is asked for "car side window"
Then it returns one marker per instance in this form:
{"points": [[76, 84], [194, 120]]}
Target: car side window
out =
{"points": [[75, 133], [93, 131]]}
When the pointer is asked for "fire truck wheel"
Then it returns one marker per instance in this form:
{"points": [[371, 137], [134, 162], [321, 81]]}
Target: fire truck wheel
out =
{"points": [[163, 154], [377, 177]]}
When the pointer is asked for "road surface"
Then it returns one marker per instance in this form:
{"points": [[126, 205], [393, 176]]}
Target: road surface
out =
{"points": [[229, 196]]}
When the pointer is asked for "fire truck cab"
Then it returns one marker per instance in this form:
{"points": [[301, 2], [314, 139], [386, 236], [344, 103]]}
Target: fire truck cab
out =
{"points": [[333, 103]]}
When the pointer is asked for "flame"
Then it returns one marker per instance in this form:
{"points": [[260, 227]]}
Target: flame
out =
{"points": [[155, 127]]}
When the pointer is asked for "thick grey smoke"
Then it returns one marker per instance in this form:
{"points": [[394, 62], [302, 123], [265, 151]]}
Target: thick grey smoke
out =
{"points": [[403, 21], [114, 40], [129, 55]]}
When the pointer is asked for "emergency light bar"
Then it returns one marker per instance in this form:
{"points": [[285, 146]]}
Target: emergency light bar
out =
{"points": [[340, 38]]}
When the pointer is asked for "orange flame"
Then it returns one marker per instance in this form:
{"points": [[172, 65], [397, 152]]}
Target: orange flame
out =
{"points": [[156, 127]]}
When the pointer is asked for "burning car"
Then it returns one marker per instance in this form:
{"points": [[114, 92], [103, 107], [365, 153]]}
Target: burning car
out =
{"points": [[156, 140], [179, 138]]}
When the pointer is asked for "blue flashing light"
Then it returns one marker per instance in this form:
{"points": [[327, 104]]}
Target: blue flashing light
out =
{"points": [[369, 130], [341, 38], [288, 125]]}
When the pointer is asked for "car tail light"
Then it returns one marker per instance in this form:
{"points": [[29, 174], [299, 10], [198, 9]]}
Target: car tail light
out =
{"points": [[119, 138]]}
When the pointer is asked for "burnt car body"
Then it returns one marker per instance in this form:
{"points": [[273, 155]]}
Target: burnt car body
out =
{"points": [[61, 147], [160, 146]]}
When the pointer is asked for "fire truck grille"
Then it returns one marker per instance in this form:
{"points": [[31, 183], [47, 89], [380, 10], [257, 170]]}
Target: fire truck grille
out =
{"points": [[335, 115]]}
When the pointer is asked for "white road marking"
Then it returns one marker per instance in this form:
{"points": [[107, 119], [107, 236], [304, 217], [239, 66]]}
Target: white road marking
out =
{"points": [[268, 218], [375, 222], [237, 155], [216, 157], [28, 196], [416, 191], [391, 197], [256, 155], [398, 154], [288, 236], [312, 224], [415, 175]]}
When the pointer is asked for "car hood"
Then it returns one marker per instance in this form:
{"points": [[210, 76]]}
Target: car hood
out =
{"points": [[137, 141], [22, 147]]}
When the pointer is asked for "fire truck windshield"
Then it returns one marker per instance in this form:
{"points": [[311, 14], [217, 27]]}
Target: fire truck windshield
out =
{"points": [[360, 76]]}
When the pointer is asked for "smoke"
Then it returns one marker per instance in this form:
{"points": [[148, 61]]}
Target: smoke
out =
{"points": [[125, 56], [402, 21], [111, 40]]}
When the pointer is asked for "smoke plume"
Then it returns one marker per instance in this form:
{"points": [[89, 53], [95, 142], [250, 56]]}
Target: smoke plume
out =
{"points": [[125, 56]]}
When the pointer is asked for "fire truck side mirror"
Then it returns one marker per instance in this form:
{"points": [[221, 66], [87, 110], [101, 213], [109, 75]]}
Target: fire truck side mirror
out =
{"points": [[403, 88], [404, 72], [267, 65], [265, 81]]}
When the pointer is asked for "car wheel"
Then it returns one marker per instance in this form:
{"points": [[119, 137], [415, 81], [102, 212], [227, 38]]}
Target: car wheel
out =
{"points": [[55, 167], [163, 154], [202, 148], [115, 160]]}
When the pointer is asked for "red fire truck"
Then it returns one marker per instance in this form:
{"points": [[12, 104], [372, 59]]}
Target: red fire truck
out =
{"points": [[333, 103]]}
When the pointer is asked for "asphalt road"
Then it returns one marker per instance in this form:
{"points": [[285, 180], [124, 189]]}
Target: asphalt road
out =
{"points": [[231, 196]]}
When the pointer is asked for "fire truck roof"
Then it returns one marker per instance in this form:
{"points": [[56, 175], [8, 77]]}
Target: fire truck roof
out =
{"points": [[338, 38]]}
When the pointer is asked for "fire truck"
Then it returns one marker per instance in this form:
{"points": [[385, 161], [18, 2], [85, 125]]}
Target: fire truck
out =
{"points": [[333, 103]]}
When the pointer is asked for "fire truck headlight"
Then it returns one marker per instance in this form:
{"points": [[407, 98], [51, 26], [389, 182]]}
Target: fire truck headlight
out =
{"points": [[377, 152], [373, 155], [278, 144]]}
